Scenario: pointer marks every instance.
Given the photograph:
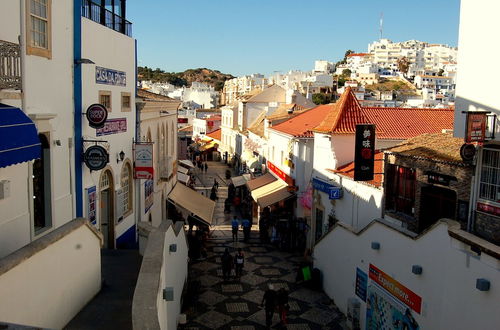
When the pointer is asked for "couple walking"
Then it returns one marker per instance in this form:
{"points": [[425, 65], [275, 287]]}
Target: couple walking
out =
{"points": [[245, 223], [275, 300], [228, 261]]}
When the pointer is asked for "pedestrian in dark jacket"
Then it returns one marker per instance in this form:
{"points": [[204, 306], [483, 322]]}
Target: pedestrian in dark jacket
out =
{"points": [[282, 301], [206, 167], [239, 260], [227, 264], [270, 300]]}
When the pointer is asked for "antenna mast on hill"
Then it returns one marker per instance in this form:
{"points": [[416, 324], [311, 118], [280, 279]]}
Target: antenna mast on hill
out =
{"points": [[381, 29]]}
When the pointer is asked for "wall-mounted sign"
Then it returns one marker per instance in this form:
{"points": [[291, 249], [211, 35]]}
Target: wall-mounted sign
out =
{"points": [[475, 129], [333, 191], [113, 126], [396, 289], [96, 115], [91, 204], [143, 160], [148, 195], [361, 284], [487, 208], [182, 120], [364, 153], [96, 158], [282, 175], [467, 152], [433, 177], [110, 77]]}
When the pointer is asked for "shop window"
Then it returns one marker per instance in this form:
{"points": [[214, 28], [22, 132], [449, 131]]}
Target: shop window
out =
{"points": [[400, 189], [126, 102], [489, 186], [105, 99], [126, 183], [42, 190], [38, 27]]}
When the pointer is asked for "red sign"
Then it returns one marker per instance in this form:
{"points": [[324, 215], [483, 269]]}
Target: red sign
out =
{"points": [[487, 208], [476, 127], [182, 120], [282, 175], [96, 115], [399, 291], [143, 161]]}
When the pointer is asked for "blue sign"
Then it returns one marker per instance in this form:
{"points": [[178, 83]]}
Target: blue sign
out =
{"points": [[361, 284], [110, 77], [333, 191]]}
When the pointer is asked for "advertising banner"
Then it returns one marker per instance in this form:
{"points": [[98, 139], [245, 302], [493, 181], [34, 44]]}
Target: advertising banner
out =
{"points": [[282, 175], [143, 161], [364, 152], [112, 126], [148, 195], [476, 127]]}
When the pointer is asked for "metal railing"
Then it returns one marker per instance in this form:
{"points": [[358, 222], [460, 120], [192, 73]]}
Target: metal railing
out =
{"points": [[10, 65], [101, 15]]}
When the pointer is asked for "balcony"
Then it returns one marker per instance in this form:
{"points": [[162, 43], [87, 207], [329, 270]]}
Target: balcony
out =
{"points": [[103, 16], [10, 65]]}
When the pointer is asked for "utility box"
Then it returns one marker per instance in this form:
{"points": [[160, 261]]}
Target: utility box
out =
{"points": [[4, 189]]}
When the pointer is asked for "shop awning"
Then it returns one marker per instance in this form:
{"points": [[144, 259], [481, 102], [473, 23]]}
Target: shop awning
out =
{"points": [[271, 193], [182, 177], [19, 140], [183, 170], [260, 181], [187, 163], [209, 145], [194, 202]]}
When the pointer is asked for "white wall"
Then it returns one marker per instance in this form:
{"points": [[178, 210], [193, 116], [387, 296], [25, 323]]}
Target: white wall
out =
{"points": [[49, 288], [446, 286]]}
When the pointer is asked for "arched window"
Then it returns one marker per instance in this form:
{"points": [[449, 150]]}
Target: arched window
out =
{"points": [[126, 183]]}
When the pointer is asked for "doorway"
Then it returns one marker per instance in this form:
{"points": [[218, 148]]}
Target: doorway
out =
{"points": [[107, 223], [436, 203]]}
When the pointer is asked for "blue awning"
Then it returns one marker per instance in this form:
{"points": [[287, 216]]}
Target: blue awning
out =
{"points": [[19, 140]]}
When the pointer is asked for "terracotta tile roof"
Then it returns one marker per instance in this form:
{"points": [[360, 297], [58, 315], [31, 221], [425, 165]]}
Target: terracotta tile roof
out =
{"points": [[358, 54], [215, 134], [282, 111], [188, 128], [302, 124], [405, 123], [343, 116], [438, 147], [391, 123], [213, 118], [348, 170]]}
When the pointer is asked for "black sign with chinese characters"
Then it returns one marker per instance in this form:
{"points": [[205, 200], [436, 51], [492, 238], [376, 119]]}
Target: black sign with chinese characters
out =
{"points": [[364, 152]]}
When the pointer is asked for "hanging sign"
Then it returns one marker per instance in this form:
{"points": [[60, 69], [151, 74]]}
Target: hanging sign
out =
{"points": [[467, 152], [96, 158], [96, 115], [475, 130], [364, 152], [143, 160]]}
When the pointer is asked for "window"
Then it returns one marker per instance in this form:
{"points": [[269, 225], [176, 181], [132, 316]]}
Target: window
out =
{"points": [[489, 184], [105, 99], [126, 183], [125, 102], [400, 189], [42, 192], [38, 28]]}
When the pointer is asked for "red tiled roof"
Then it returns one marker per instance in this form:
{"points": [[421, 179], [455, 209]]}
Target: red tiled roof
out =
{"points": [[213, 118], [215, 134], [344, 116], [405, 123], [358, 54], [302, 124], [391, 123], [348, 170]]}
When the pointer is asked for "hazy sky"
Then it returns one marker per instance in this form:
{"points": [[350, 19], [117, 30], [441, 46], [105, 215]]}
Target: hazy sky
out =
{"points": [[249, 36]]}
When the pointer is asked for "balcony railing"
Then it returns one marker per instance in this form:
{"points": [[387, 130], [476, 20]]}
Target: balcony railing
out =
{"points": [[101, 15], [10, 65]]}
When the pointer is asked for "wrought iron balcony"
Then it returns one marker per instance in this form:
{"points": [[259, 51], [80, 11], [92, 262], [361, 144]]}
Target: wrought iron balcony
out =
{"points": [[101, 15], [10, 65]]}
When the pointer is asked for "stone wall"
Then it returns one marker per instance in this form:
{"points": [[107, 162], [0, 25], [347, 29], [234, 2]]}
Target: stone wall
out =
{"points": [[488, 227]]}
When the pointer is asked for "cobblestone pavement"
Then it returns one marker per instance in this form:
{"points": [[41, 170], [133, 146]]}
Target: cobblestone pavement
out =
{"points": [[235, 305]]}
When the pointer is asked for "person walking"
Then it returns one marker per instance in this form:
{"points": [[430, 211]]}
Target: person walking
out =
{"points": [[270, 301], [235, 224], [245, 223], [283, 307], [227, 264], [213, 194], [216, 184], [206, 167], [239, 260]]}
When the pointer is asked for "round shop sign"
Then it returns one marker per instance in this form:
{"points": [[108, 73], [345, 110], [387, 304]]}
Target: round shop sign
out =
{"points": [[467, 152], [97, 115], [96, 158]]}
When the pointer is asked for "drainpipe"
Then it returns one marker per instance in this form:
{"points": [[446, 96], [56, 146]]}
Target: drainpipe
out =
{"points": [[77, 94]]}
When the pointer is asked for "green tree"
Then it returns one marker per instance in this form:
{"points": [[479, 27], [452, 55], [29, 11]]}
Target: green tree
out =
{"points": [[403, 65], [440, 72], [346, 73], [321, 98]]}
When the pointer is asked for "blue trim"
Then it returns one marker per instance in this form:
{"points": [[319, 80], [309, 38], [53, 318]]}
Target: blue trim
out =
{"points": [[127, 240], [77, 92], [19, 140]]}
